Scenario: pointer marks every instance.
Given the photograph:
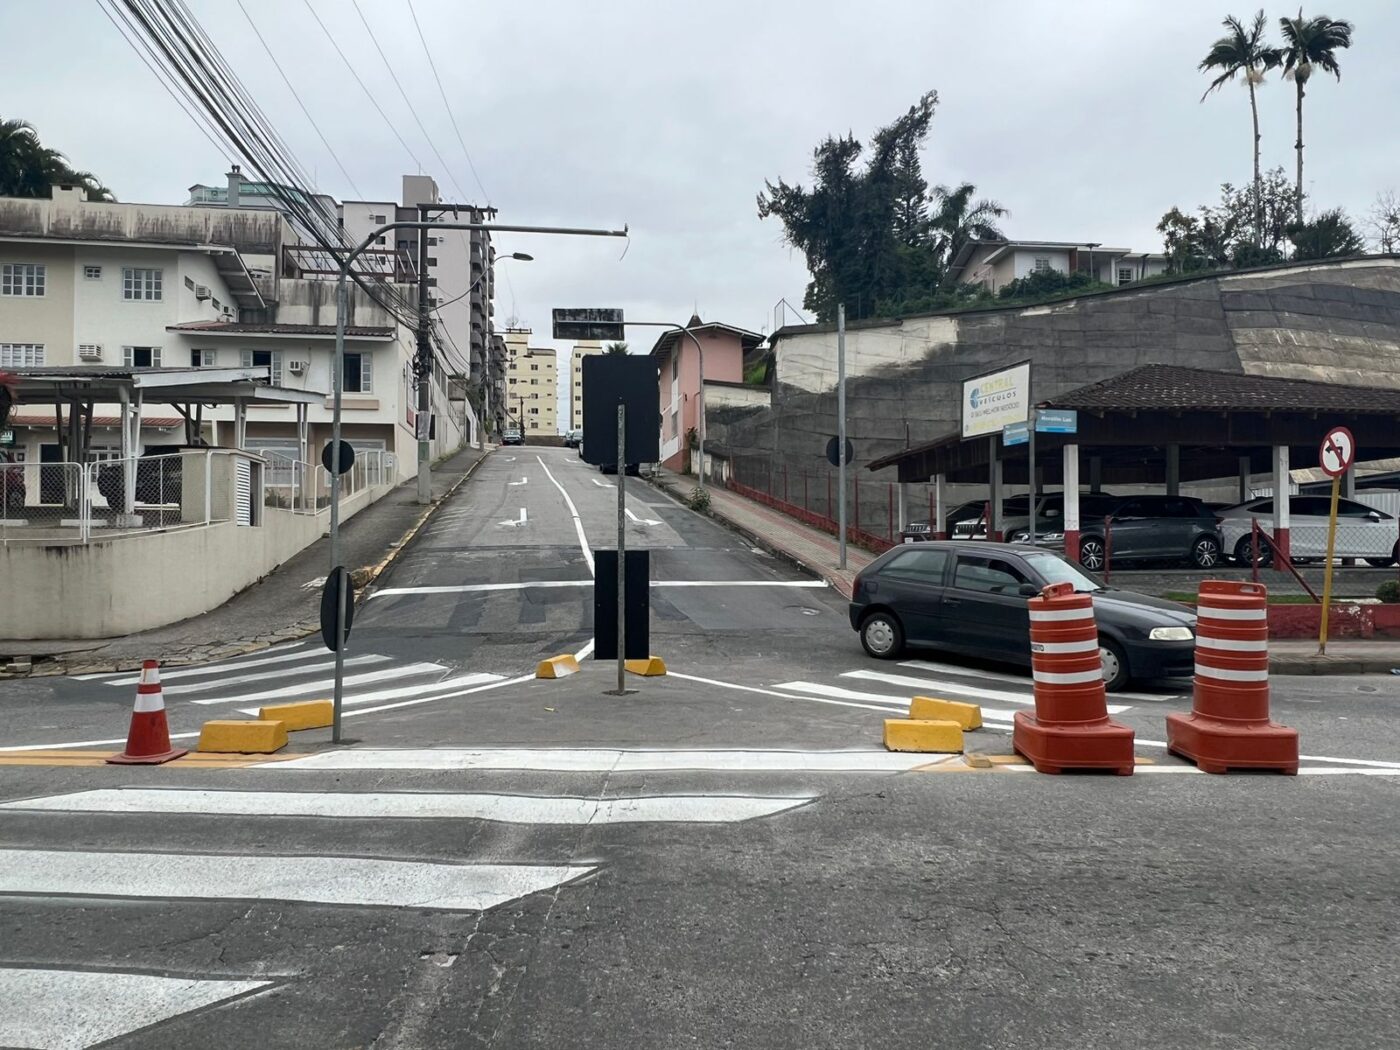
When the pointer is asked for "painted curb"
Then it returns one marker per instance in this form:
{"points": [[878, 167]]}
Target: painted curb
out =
{"points": [[304, 714], [923, 735], [651, 667], [969, 716], [557, 667], [242, 738]]}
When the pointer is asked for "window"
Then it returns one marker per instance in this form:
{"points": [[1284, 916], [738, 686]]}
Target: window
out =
{"points": [[378, 220], [141, 356], [381, 240], [271, 359], [1125, 275], [432, 260], [217, 304], [23, 279], [675, 364], [359, 373], [141, 285], [923, 566], [403, 246], [92, 273], [432, 242], [989, 575], [202, 358], [1042, 264], [189, 283], [22, 355], [534, 368]]}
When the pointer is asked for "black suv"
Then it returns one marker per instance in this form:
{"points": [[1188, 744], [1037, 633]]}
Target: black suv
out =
{"points": [[1179, 529], [158, 477]]}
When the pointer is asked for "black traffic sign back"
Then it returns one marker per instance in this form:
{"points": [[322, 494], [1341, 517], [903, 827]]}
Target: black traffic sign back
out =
{"points": [[633, 380], [833, 451], [347, 458], [337, 583]]}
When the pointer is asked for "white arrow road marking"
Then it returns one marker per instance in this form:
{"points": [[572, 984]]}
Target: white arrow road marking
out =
{"points": [[379, 805], [71, 1009], [311, 879], [603, 484], [514, 524], [522, 481], [640, 521]]}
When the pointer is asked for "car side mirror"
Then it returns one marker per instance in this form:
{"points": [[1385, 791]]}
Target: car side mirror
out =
{"points": [[1028, 590], [1373, 516]]}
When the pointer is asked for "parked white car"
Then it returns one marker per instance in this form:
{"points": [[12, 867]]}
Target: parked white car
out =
{"points": [[1362, 531]]}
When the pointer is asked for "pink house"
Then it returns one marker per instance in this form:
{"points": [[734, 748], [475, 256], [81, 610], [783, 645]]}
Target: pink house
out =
{"points": [[724, 347]]}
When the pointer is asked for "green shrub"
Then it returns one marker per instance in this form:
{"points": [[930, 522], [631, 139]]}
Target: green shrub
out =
{"points": [[698, 500], [1389, 591]]}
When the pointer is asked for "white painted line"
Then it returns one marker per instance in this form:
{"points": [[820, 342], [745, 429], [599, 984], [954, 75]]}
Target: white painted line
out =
{"points": [[587, 649], [73, 1009], [803, 584], [640, 521], [578, 523], [84, 743], [522, 481], [260, 656], [935, 686], [522, 520], [603, 484], [442, 696], [398, 692], [469, 588], [970, 672], [262, 676], [771, 692], [1320, 771], [415, 805], [897, 703], [311, 879], [326, 684], [224, 668], [604, 760]]}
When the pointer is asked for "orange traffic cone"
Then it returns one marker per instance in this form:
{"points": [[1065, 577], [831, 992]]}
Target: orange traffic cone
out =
{"points": [[148, 741]]}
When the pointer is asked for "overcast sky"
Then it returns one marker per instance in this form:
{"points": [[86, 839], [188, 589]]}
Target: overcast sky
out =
{"points": [[1081, 116]]}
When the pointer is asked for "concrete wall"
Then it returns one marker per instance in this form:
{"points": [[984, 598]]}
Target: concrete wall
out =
{"points": [[1330, 321]]}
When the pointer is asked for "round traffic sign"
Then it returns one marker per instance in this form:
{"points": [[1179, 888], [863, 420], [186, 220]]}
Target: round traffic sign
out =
{"points": [[1338, 452]]}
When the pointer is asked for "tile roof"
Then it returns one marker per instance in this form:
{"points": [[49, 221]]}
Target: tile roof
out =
{"points": [[1173, 388]]}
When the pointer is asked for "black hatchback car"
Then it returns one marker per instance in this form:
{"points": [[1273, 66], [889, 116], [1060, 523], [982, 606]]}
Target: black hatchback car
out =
{"points": [[1176, 529], [971, 599]]}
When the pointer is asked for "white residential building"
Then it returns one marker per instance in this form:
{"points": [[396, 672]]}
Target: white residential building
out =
{"points": [[583, 348], [994, 264], [532, 384]]}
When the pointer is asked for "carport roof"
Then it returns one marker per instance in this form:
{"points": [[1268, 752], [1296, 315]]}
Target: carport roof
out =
{"points": [[1173, 388], [105, 384]]}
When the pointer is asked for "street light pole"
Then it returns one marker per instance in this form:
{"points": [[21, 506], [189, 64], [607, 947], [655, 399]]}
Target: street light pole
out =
{"points": [[337, 369]]}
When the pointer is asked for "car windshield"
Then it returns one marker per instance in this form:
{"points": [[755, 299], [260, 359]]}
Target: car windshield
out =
{"points": [[1054, 569]]}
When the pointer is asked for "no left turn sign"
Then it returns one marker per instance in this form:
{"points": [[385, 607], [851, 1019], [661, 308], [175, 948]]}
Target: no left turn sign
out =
{"points": [[1338, 452]]}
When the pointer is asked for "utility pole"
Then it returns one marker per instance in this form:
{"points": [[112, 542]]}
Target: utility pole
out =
{"points": [[841, 422], [423, 368]]}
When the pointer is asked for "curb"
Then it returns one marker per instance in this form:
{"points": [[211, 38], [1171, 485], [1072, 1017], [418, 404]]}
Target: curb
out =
{"points": [[781, 553], [1294, 666]]}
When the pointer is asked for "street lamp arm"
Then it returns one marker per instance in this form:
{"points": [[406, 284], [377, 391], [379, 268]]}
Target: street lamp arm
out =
{"points": [[489, 227]]}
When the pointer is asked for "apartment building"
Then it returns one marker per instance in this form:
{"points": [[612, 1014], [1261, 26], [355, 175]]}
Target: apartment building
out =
{"points": [[583, 348], [532, 384], [994, 264], [144, 286]]}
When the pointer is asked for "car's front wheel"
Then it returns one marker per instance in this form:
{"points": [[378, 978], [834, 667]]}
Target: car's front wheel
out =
{"points": [[881, 635], [1205, 552], [1115, 665], [1091, 553], [1244, 552]]}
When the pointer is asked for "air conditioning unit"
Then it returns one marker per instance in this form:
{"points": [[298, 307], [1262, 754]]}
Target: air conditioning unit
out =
{"points": [[296, 367], [89, 352], [202, 292]]}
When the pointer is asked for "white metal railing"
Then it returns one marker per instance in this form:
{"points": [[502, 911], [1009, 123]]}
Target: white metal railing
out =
{"points": [[305, 488]]}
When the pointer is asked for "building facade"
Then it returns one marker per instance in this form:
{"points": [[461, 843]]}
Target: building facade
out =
{"points": [[724, 348], [583, 348], [995, 264], [532, 384]]}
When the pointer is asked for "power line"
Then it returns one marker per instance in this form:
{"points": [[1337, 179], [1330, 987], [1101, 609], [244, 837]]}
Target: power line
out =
{"points": [[404, 94], [447, 105], [324, 141], [368, 93]]}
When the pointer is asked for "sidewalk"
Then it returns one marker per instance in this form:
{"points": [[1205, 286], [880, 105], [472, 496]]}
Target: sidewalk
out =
{"points": [[811, 550], [815, 552], [281, 607]]}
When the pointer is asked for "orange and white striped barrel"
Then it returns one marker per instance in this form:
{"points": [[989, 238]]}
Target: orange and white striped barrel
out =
{"points": [[1232, 651], [1065, 661]]}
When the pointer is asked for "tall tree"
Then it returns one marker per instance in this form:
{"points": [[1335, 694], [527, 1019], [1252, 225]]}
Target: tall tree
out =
{"points": [[1385, 221], [1328, 235], [617, 348], [1244, 51], [959, 219], [1310, 44], [28, 168]]}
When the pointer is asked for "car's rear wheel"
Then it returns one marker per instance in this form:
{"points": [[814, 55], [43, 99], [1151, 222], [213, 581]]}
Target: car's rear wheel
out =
{"points": [[1205, 552], [1115, 665], [882, 635], [1244, 552], [1091, 553], [1381, 563]]}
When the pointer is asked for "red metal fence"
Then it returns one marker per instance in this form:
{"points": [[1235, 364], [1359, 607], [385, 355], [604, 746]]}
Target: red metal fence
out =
{"points": [[777, 490]]}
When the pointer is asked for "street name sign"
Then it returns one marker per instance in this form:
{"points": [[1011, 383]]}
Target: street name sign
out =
{"points": [[1057, 421], [1015, 433]]}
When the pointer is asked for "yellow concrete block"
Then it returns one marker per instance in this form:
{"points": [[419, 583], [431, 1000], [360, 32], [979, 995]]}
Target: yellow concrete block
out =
{"points": [[650, 667], [924, 735], [969, 716], [556, 667], [304, 714], [243, 738]]}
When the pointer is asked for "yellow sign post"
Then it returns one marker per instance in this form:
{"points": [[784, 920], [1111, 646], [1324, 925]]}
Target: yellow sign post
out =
{"points": [[1336, 456]]}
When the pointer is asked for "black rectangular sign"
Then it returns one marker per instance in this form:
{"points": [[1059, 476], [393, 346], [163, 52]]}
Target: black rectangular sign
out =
{"points": [[629, 379], [638, 609], [588, 323]]}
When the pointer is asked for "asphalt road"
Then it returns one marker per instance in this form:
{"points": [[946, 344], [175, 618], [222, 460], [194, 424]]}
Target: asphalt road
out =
{"points": [[723, 858]]}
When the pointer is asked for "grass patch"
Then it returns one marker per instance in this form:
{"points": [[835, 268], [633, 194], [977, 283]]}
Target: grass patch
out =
{"points": [[1274, 599]]}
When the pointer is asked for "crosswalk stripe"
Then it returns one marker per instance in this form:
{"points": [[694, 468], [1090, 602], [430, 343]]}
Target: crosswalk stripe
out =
{"points": [[896, 703], [958, 689], [263, 676], [605, 760], [422, 689], [70, 1009], [975, 672], [221, 667], [322, 685], [511, 809], [307, 879]]}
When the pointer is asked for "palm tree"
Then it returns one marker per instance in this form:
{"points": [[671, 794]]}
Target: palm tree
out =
{"points": [[1307, 44], [1244, 51], [617, 348], [957, 219], [30, 169]]}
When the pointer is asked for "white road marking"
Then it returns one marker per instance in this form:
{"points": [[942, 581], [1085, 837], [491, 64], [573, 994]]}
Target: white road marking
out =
{"points": [[441, 696], [325, 685], [469, 588], [976, 672], [263, 676], [84, 743], [220, 668], [640, 521], [578, 523], [522, 481], [398, 692], [261, 656], [1319, 771], [603, 484], [522, 520], [603, 760], [770, 692], [73, 1009], [897, 703], [933, 686], [815, 585], [310, 879], [389, 805]]}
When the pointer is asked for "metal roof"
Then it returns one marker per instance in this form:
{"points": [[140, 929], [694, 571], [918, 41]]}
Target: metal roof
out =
{"points": [[105, 384], [311, 331]]}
